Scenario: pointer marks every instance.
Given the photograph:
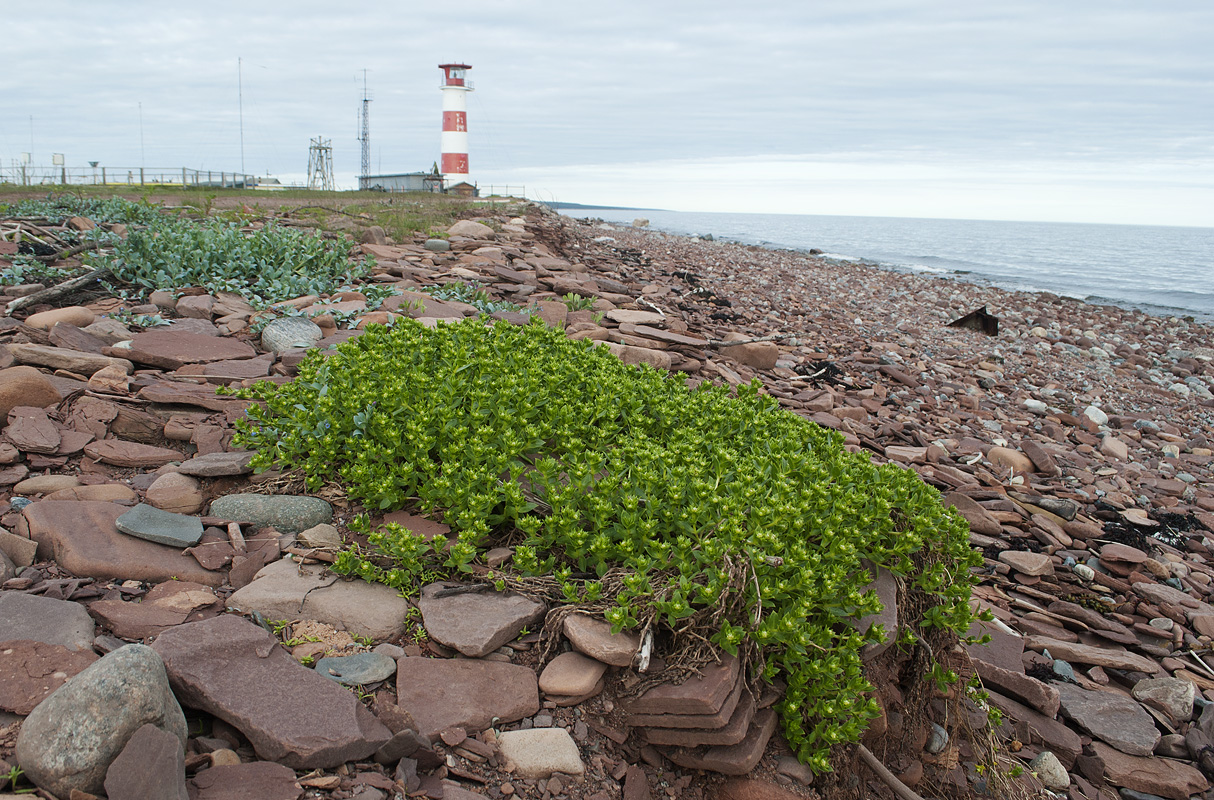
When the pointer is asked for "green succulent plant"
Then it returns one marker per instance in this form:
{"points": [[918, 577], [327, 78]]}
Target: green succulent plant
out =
{"points": [[695, 509]]}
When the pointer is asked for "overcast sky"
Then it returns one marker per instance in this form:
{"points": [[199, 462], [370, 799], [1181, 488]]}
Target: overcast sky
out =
{"points": [[1078, 110]]}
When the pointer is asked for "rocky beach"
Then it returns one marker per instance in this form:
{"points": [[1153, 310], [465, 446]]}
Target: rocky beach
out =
{"points": [[169, 627]]}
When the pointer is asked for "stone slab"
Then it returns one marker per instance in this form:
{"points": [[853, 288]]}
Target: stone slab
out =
{"points": [[229, 667], [442, 693], [737, 759], [30, 671], [164, 527], [476, 623], [593, 637], [284, 590], [539, 752], [82, 538], [45, 619], [704, 694]]}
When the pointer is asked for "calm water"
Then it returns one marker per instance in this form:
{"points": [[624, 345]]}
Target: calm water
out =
{"points": [[1161, 270]]}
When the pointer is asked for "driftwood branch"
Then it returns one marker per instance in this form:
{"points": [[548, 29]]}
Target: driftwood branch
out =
{"points": [[899, 788], [67, 287], [71, 251]]}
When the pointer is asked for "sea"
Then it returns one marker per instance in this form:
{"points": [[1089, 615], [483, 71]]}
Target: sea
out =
{"points": [[1167, 271]]}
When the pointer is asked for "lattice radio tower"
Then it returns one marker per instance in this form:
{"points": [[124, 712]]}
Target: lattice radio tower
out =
{"points": [[320, 165], [365, 136]]}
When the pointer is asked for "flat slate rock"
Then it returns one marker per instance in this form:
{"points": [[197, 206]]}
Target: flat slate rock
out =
{"points": [[730, 733], [213, 465], [1111, 717], [1159, 777], [737, 759], [171, 349], [441, 693], [285, 590], [167, 605], [30, 671], [150, 767], [31, 430], [571, 675], [189, 394], [704, 694], [358, 669], [287, 513], [45, 619], [712, 721], [476, 623], [69, 741], [122, 453], [1073, 652], [260, 780], [235, 670], [81, 537], [593, 637], [539, 752], [164, 527]]}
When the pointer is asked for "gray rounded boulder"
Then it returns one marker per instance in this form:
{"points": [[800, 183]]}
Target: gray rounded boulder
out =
{"points": [[70, 739], [288, 513], [286, 333]]}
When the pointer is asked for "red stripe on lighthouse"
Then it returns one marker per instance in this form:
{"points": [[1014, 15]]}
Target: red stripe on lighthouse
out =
{"points": [[455, 120], [455, 163]]}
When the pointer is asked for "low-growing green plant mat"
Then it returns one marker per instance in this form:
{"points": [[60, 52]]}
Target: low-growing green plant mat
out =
{"points": [[268, 264], [58, 208], [723, 519], [265, 265]]}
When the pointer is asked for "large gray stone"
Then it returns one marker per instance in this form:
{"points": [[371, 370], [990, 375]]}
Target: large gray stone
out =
{"points": [[1111, 717], [476, 623], [235, 670], [441, 693], [163, 527], [69, 741], [44, 619], [287, 513], [285, 333], [285, 590]]}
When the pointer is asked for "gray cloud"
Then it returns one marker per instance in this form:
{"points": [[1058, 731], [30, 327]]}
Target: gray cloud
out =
{"points": [[562, 84]]}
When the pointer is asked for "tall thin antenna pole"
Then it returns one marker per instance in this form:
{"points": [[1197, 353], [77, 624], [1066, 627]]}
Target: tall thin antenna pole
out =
{"points": [[240, 100], [141, 164], [365, 136], [31, 135]]}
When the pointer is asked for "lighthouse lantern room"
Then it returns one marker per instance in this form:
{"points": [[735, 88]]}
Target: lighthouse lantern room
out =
{"points": [[455, 86]]}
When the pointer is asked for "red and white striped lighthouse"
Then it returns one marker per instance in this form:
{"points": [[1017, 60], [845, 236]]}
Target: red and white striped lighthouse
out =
{"points": [[455, 86]]}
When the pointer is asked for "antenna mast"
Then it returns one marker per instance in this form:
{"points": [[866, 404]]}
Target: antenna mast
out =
{"points": [[365, 137], [239, 100], [320, 165]]}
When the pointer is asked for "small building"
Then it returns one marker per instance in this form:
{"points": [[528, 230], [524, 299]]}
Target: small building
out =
{"points": [[404, 182], [464, 189]]}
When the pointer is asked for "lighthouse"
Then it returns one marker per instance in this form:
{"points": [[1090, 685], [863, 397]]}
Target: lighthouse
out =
{"points": [[455, 87]]}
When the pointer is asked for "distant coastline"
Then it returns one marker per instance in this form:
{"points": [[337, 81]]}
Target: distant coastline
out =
{"points": [[1164, 271]]}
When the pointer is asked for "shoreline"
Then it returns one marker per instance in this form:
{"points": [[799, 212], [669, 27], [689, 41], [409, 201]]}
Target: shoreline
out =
{"points": [[973, 275]]}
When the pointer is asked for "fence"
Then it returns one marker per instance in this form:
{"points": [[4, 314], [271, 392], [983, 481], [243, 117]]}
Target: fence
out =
{"points": [[503, 191], [27, 175]]}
